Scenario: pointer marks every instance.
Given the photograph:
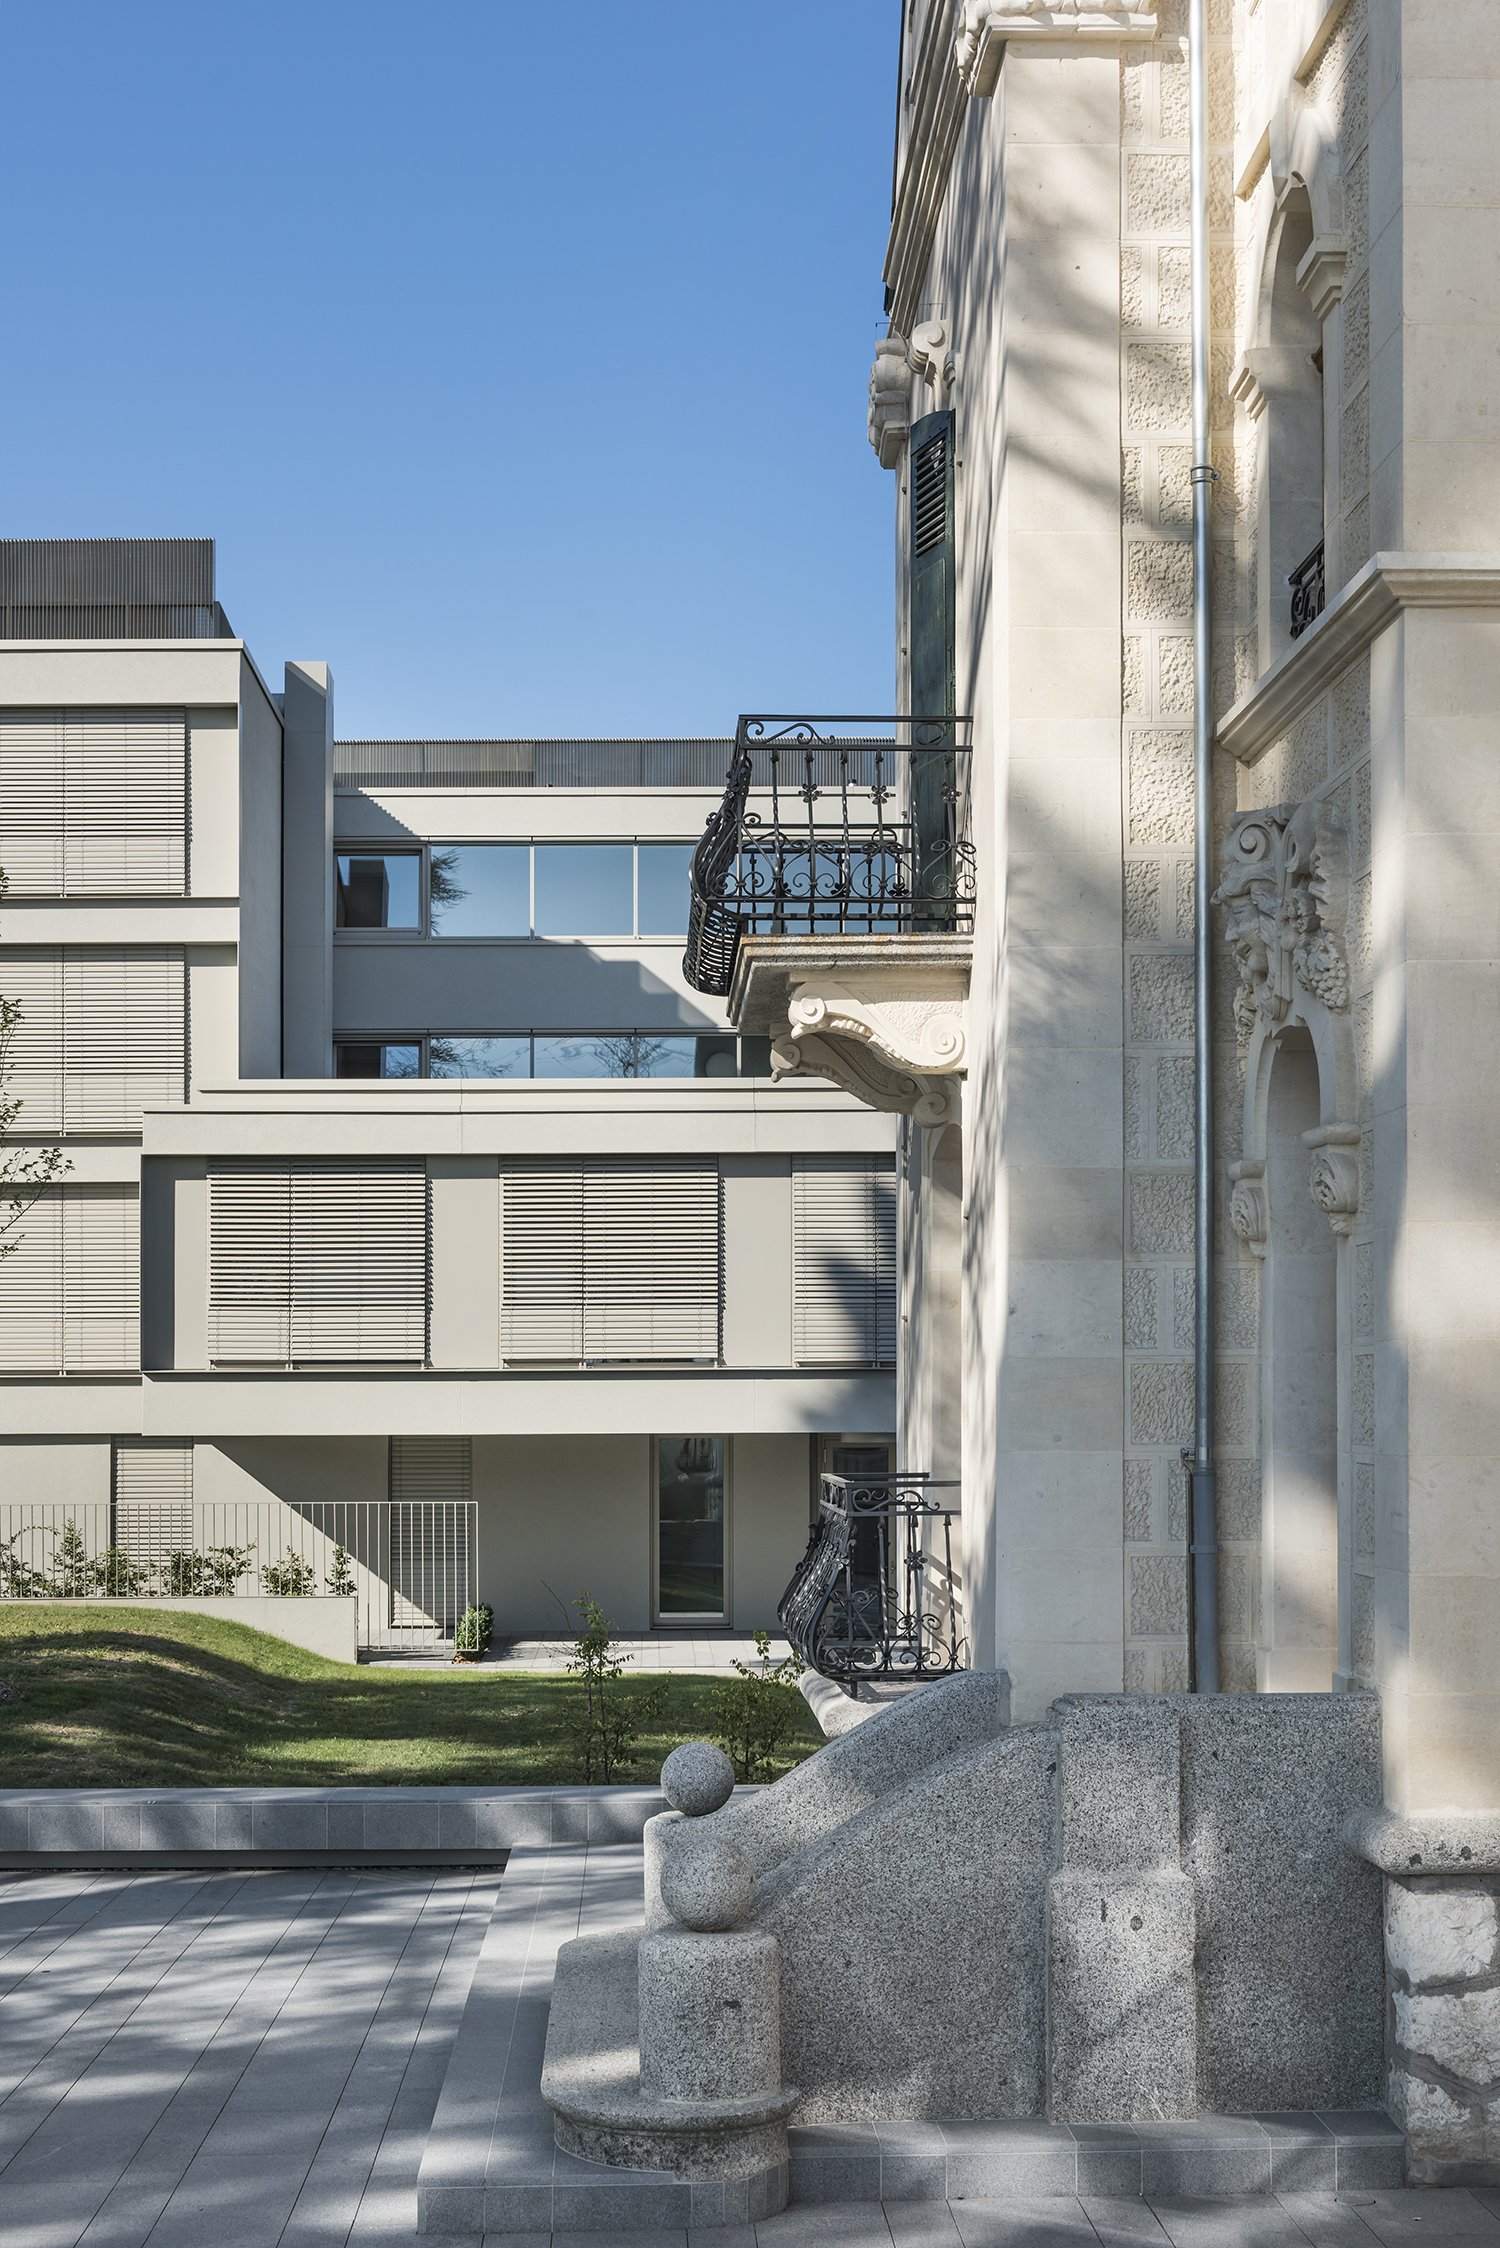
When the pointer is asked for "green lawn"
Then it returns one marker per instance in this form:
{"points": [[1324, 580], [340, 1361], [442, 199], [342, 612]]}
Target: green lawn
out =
{"points": [[133, 1697]]}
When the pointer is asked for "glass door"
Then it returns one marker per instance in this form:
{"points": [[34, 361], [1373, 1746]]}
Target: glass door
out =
{"points": [[691, 1540]]}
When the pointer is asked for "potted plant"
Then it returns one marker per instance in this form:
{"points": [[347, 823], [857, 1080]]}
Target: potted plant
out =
{"points": [[475, 1627]]}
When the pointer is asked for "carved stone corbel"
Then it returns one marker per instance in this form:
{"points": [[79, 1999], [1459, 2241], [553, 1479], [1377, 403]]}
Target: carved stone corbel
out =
{"points": [[932, 357], [890, 401], [866, 1074], [1334, 1176], [1247, 1205]]}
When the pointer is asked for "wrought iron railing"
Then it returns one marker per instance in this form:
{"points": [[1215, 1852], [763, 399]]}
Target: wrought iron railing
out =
{"points": [[833, 826], [410, 1563], [1306, 582], [876, 1594]]}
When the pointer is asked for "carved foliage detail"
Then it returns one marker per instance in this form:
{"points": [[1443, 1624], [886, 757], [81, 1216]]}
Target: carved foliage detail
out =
{"points": [[1284, 885], [1335, 1186]]}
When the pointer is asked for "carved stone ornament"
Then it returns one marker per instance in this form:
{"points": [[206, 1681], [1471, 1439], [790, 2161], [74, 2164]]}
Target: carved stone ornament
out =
{"points": [[1334, 1177], [865, 1073], [931, 356], [890, 401], [1284, 885], [1247, 1205], [899, 1054], [984, 26]]}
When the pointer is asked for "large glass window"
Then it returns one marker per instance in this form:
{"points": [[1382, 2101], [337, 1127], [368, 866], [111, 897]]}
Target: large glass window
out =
{"points": [[573, 1053], [478, 1057], [479, 890], [378, 890], [378, 1057], [583, 890], [662, 888], [690, 1540]]}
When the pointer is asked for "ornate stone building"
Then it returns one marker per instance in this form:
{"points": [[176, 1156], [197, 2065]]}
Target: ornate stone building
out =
{"points": [[1034, 401]]}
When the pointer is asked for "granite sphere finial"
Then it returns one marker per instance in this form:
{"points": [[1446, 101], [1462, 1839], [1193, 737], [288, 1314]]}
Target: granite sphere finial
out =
{"points": [[707, 1882], [697, 1778]]}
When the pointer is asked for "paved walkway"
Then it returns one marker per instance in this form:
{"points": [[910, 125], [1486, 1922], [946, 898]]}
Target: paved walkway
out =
{"points": [[252, 2059]]}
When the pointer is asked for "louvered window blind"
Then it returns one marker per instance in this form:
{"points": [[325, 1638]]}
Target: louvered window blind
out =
{"points": [[153, 1498], [70, 1292], [431, 1483], [100, 1034], [844, 1260], [318, 1263], [612, 1260], [94, 803]]}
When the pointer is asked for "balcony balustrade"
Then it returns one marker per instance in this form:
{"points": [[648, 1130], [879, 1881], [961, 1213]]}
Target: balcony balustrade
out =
{"points": [[849, 827], [1308, 592], [876, 1595]]}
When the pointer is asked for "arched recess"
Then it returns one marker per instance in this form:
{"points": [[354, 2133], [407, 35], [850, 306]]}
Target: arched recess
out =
{"points": [[1294, 1202], [1290, 378]]}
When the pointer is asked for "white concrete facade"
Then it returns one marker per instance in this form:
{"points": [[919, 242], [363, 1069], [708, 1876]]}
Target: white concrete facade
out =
{"points": [[557, 1447]]}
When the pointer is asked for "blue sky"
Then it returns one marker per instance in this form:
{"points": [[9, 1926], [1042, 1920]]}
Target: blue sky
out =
{"points": [[514, 351]]}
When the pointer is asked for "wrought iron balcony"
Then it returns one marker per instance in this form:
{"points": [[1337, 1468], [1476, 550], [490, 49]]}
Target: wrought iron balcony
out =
{"points": [[833, 826], [875, 1594], [1306, 582]]}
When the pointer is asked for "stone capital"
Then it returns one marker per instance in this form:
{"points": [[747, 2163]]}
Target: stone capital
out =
{"points": [[890, 401], [986, 26]]}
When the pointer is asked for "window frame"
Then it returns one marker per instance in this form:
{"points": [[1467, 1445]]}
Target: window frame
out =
{"points": [[698, 1619], [424, 933], [422, 1040]]}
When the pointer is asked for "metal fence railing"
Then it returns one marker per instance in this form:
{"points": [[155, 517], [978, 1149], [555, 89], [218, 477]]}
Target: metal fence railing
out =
{"points": [[877, 1593], [409, 1563]]}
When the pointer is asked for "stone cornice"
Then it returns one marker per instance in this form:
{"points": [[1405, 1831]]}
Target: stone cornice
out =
{"points": [[1357, 615], [959, 56], [987, 25]]}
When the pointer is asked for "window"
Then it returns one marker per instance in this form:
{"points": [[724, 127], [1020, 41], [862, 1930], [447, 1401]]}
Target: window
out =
{"points": [[843, 1260], [100, 1033], [579, 1054], [378, 890], [478, 1057], [583, 890], [662, 888], [690, 1540], [70, 1302], [317, 1263], [94, 803], [378, 1058], [611, 1259], [479, 890], [498, 891]]}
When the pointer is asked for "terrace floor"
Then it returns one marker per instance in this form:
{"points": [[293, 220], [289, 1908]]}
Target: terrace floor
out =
{"points": [[251, 2059]]}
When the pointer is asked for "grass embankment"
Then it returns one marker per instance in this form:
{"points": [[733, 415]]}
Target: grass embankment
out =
{"points": [[136, 1698]]}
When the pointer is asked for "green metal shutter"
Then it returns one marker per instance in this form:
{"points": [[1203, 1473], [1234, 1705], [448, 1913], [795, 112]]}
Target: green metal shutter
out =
{"points": [[931, 600]]}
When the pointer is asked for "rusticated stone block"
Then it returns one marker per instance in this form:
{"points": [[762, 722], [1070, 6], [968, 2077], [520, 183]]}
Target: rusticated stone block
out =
{"points": [[1161, 1214], [1158, 1595], [1158, 386], [1161, 786], [1161, 998], [1156, 194], [1158, 580]]}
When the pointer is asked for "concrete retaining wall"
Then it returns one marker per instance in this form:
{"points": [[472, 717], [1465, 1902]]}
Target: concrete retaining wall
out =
{"points": [[323, 1623]]}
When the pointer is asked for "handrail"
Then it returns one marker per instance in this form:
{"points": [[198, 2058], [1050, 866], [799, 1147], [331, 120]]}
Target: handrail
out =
{"points": [[863, 831], [876, 1594]]}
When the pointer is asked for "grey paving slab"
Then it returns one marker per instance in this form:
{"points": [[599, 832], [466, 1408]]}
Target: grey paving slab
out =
{"points": [[1057, 2222]]}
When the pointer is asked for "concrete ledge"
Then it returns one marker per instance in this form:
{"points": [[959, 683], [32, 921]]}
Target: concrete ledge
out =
{"points": [[1408, 1844], [300, 1826]]}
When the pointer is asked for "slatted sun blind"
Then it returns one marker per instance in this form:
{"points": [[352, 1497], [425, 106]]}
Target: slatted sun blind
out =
{"points": [[153, 1498], [318, 1263], [94, 803], [70, 1292], [612, 1259], [100, 1034], [844, 1260], [431, 1483]]}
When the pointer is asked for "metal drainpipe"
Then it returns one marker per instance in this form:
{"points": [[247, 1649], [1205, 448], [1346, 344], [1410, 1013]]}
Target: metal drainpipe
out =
{"points": [[1204, 1508]]}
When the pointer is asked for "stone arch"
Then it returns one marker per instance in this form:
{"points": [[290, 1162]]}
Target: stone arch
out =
{"points": [[1289, 379], [1295, 1196]]}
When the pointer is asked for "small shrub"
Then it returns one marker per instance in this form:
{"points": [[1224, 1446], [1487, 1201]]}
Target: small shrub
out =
{"points": [[18, 1580], [606, 1730], [118, 1575], [341, 1574], [475, 1626], [211, 1574], [754, 1713], [290, 1578], [72, 1575]]}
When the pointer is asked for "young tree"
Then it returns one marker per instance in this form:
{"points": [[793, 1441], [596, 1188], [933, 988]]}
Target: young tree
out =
{"points": [[24, 1169]]}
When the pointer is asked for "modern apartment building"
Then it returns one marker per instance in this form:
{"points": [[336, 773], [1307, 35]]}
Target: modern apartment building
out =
{"points": [[424, 1232]]}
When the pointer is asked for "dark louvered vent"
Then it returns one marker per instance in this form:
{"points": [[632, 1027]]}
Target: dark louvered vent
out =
{"points": [[929, 495]]}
